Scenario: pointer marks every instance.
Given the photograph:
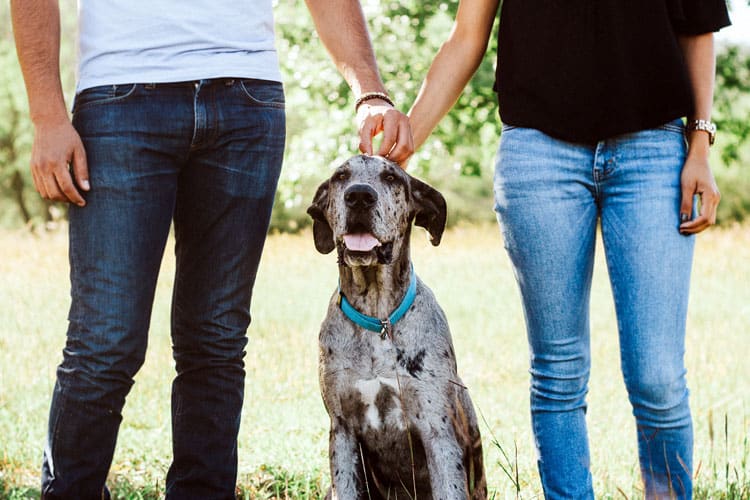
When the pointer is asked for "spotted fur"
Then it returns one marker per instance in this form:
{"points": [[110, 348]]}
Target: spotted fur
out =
{"points": [[402, 422]]}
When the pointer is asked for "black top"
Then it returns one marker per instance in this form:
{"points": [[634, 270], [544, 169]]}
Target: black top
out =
{"points": [[584, 70]]}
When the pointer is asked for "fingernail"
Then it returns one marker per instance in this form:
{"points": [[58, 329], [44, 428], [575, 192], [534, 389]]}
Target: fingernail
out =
{"points": [[85, 185], [684, 217]]}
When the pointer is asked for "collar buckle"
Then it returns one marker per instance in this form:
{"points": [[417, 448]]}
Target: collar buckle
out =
{"points": [[386, 332]]}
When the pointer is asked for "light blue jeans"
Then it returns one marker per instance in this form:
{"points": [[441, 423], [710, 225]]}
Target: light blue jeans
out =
{"points": [[549, 197]]}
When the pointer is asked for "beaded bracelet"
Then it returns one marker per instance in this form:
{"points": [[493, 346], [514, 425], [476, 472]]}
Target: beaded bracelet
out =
{"points": [[372, 95]]}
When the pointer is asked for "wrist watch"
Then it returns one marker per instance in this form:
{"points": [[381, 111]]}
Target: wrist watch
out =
{"points": [[705, 126]]}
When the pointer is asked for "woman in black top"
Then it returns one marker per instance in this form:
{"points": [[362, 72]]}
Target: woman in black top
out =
{"points": [[591, 97]]}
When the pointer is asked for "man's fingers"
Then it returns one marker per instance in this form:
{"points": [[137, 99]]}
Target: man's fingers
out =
{"points": [[390, 134], [38, 183], [80, 168], [396, 143], [365, 137], [67, 188], [58, 157], [52, 191]]}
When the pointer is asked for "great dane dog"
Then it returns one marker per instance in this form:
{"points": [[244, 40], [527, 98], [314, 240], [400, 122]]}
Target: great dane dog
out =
{"points": [[402, 422]]}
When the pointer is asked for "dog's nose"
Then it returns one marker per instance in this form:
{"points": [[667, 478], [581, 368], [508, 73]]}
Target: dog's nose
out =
{"points": [[360, 196]]}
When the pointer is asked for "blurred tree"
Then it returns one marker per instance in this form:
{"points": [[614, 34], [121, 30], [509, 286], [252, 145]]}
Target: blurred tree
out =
{"points": [[732, 104], [457, 158], [15, 136]]}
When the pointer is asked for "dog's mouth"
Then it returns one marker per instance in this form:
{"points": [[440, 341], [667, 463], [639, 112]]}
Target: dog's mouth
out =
{"points": [[361, 242], [360, 247]]}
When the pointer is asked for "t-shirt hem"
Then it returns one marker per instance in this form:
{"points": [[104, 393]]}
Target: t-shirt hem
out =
{"points": [[619, 128], [86, 82]]}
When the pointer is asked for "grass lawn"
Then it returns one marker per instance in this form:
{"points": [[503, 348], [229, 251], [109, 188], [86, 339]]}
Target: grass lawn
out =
{"points": [[284, 434]]}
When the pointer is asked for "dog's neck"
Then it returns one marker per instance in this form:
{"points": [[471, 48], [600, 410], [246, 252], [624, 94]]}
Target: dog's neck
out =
{"points": [[376, 290]]}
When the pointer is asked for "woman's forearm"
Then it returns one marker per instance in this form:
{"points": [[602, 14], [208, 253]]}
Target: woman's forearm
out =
{"points": [[700, 59], [453, 66]]}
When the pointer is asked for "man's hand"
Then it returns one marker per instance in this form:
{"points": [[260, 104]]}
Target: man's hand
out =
{"points": [[57, 147], [342, 29], [58, 162], [697, 179], [377, 116]]}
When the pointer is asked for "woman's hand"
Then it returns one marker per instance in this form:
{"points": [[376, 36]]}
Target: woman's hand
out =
{"points": [[697, 179]]}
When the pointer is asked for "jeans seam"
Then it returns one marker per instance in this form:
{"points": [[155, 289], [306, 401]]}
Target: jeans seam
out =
{"points": [[53, 438]]}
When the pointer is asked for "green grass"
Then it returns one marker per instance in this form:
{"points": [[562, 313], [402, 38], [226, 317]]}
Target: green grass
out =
{"points": [[283, 438]]}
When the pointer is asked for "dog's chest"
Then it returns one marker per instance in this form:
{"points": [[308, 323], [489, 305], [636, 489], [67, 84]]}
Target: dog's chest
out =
{"points": [[378, 405], [375, 395]]}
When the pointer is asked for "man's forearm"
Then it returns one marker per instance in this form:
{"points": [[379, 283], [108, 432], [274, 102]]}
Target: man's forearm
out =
{"points": [[342, 28], [36, 28]]}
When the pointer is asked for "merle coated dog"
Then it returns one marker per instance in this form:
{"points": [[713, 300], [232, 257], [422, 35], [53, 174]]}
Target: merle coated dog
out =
{"points": [[402, 422]]}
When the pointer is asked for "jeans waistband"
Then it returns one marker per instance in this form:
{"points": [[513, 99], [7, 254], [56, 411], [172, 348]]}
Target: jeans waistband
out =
{"points": [[192, 83]]}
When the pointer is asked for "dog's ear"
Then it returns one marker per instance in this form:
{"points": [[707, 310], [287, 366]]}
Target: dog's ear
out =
{"points": [[322, 232], [429, 209]]}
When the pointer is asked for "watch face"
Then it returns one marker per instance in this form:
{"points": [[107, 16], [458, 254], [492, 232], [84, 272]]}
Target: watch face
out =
{"points": [[705, 126]]}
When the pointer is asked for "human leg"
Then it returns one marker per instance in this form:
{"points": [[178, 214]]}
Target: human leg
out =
{"points": [[547, 213], [222, 214], [649, 265], [116, 244]]}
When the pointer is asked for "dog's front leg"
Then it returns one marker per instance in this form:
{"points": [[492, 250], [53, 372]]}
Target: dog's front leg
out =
{"points": [[444, 462], [347, 473]]}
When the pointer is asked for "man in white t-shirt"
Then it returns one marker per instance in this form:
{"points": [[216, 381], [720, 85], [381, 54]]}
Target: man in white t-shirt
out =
{"points": [[178, 117]]}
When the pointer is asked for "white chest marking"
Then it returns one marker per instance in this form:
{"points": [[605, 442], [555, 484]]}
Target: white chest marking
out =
{"points": [[369, 389]]}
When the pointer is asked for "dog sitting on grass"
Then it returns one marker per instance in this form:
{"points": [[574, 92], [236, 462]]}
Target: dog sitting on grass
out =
{"points": [[402, 422]]}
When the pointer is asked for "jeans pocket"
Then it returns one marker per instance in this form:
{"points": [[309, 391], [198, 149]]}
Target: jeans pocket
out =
{"points": [[676, 126], [263, 93], [103, 94]]}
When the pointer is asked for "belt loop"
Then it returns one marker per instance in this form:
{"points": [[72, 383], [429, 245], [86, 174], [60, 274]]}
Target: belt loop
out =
{"points": [[229, 83], [150, 86]]}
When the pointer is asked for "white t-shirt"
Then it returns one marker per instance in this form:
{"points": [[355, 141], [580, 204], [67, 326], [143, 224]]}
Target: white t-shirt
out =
{"points": [[157, 41]]}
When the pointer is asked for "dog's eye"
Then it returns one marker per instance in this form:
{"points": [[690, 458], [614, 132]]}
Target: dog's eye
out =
{"points": [[342, 176], [390, 177]]}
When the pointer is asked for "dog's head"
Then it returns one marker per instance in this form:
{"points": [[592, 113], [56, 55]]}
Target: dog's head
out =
{"points": [[366, 209]]}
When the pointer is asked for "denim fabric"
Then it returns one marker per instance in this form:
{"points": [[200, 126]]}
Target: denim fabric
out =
{"points": [[206, 155], [550, 195]]}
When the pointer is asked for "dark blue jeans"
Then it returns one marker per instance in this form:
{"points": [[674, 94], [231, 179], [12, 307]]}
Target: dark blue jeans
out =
{"points": [[206, 155]]}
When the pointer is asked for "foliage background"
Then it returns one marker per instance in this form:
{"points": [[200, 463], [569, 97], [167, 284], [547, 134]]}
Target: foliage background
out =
{"points": [[458, 158]]}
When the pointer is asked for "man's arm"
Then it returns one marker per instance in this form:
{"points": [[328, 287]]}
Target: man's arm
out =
{"points": [[57, 146], [342, 28], [696, 174]]}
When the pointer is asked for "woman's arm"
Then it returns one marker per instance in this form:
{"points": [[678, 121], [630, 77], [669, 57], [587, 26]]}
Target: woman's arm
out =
{"points": [[454, 64], [696, 174]]}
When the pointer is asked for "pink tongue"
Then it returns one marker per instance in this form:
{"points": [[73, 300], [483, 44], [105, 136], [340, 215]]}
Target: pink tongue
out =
{"points": [[361, 242]]}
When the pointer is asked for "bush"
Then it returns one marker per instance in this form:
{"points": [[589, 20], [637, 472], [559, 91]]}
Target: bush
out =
{"points": [[457, 159]]}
